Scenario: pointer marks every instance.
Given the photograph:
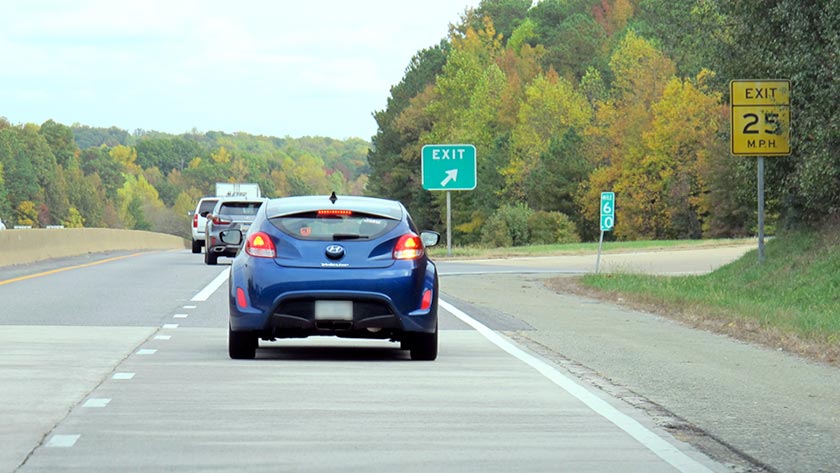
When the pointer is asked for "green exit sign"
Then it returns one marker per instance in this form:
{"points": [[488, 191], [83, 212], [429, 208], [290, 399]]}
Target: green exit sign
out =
{"points": [[448, 167]]}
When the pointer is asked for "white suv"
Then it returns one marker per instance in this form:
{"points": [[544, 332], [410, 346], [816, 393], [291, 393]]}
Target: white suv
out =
{"points": [[199, 221]]}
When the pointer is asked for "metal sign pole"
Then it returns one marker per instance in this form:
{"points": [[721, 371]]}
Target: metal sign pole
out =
{"points": [[448, 224], [761, 209], [598, 260]]}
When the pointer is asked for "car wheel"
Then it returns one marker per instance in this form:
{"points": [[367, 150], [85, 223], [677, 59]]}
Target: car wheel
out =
{"points": [[196, 247], [210, 258], [242, 345], [424, 346]]}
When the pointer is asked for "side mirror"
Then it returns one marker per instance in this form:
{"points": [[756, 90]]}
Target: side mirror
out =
{"points": [[429, 238], [191, 213], [231, 237]]}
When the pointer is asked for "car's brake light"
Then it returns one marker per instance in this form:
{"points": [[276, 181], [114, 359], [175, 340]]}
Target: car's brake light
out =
{"points": [[259, 244], [322, 213], [409, 246], [218, 221], [195, 221]]}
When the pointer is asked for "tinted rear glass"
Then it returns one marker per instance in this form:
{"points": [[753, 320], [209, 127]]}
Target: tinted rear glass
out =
{"points": [[239, 208], [206, 206], [312, 226]]}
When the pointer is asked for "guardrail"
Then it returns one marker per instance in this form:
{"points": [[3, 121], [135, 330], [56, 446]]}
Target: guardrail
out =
{"points": [[28, 245]]}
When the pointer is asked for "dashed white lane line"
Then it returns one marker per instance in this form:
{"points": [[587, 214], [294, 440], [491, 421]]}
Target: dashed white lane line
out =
{"points": [[123, 376], [190, 306], [180, 316], [205, 293], [96, 402], [170, 325], [656, 444], [163, 337], [62, 441], [146, 351]]}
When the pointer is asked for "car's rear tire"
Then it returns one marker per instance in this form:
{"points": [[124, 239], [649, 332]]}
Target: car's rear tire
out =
{"points": [[424, 346], [196, 247], [209, 257], [242, 345]]}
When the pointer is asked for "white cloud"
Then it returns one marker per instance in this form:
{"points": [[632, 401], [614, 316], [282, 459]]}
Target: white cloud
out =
{"points": [[277, 68]]}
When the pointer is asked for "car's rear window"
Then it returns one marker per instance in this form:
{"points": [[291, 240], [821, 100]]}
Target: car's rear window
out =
{"points": [[239, 208], [325, 226], [206, 206]]}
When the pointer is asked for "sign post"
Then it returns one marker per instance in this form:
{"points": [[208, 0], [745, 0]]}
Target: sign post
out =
{"points": [[607, 221], [449, 168], [760, 126]]}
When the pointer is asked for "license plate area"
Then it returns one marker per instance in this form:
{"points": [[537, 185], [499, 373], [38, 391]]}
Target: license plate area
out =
{"points": [[333, 310]]}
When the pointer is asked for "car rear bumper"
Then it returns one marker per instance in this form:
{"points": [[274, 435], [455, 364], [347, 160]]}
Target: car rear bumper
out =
{"points": [[386, 302]]}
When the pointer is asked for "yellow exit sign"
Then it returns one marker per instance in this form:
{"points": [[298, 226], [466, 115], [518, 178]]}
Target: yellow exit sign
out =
{"points": [[760, 112]]}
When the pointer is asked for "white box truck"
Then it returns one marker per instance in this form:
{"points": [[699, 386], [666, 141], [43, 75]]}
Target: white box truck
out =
{"points": [[238, 189]]}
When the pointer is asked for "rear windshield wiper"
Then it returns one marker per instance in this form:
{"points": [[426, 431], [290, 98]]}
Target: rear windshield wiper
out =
{"points": [[349, 236]]}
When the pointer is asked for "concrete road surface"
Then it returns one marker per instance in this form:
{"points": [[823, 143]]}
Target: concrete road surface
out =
{"points": [[120, 364]]}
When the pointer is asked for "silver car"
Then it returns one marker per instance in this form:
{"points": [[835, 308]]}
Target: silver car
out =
{"points": [[229, 213]]}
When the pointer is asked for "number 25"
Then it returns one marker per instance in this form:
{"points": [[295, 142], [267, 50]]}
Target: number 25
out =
{"points": [[769, 119]]}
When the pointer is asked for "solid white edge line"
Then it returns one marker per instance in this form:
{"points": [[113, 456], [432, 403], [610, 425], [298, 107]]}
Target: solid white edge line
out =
{"points": [[208, 291], [643, 435]]}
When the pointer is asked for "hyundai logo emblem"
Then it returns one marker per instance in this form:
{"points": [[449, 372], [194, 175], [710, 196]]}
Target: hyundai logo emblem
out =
{"points": [[335, 251]]}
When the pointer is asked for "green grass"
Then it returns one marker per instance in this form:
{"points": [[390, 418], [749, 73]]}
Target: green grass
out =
{"points": [[572, 248], [796, 290]]}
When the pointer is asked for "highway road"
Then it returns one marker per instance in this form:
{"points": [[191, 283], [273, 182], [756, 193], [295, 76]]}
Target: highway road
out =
{"points": [[118, 362]]}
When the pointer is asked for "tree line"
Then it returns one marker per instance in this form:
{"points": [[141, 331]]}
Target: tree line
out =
{"points": [[75, 176], [564, 99]]}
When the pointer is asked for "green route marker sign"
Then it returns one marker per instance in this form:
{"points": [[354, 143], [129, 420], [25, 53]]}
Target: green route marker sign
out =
{"points": [[448, 167], [607, 211]]}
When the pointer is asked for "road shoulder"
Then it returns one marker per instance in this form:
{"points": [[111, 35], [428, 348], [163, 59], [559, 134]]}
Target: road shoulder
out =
{"points": [[750, 398]]}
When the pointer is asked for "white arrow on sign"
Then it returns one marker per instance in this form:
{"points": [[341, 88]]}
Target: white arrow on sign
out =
{"points": [[451, 175]]}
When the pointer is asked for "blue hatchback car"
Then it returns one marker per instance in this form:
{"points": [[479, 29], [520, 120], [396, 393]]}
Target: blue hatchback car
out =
{"points": [[337, 266]]}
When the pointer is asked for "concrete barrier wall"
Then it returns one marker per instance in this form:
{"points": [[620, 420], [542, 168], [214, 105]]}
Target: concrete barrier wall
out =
{"points": [[28, 246]]}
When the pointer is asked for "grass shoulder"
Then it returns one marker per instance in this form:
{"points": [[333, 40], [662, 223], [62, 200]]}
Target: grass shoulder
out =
{"points": [[478, 252], [791, 302]]}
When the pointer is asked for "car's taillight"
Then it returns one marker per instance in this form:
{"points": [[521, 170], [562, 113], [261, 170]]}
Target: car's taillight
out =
{"points": [[240, 298], [260, 245], [409, 246], [426, 303], [218, 221], [195, 221]]}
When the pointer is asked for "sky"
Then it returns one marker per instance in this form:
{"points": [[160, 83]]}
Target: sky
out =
{"points": [[276, 68]]}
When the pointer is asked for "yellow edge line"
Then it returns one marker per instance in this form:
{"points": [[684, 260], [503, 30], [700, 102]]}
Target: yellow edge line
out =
{"points": [[47, 273]]}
